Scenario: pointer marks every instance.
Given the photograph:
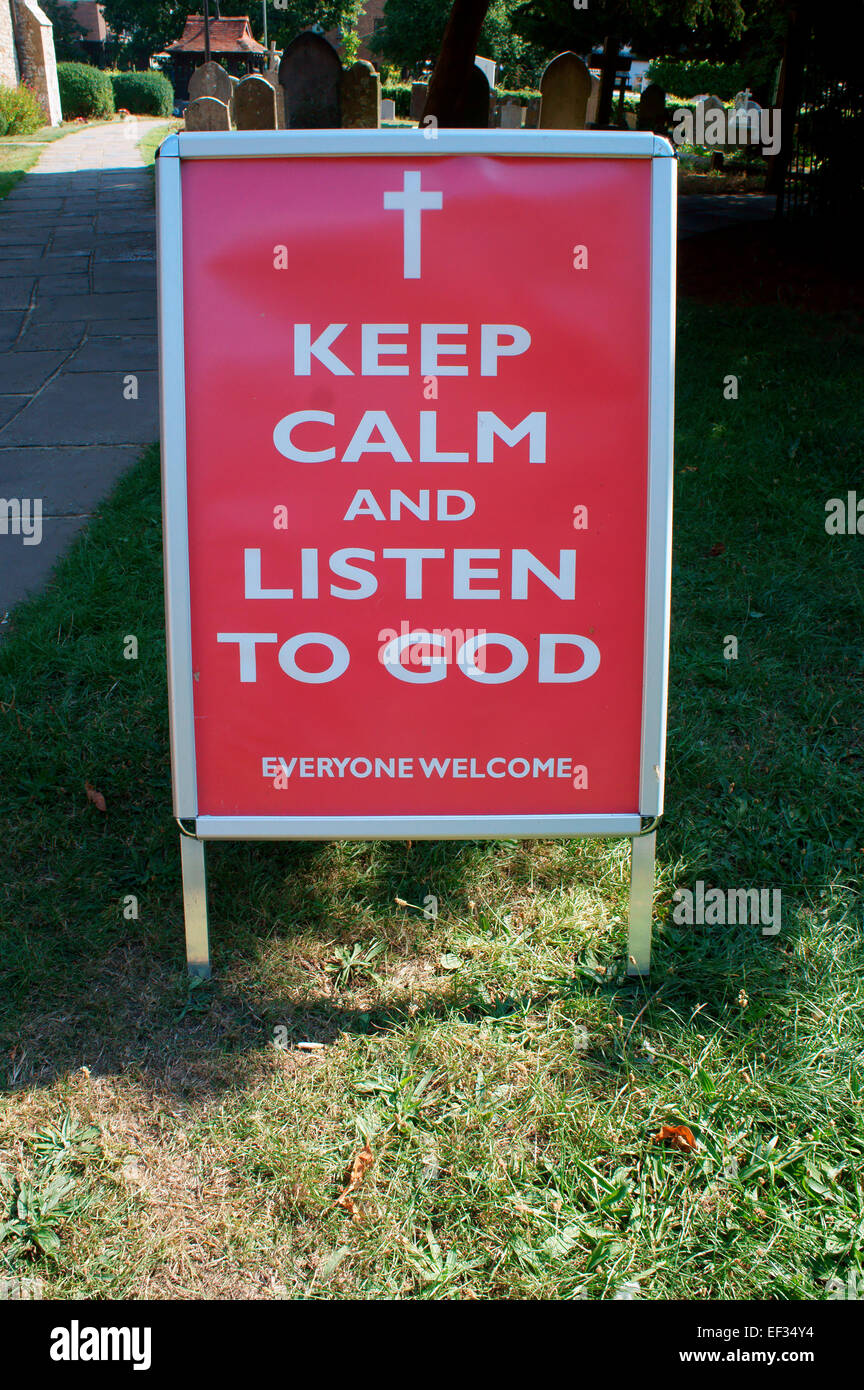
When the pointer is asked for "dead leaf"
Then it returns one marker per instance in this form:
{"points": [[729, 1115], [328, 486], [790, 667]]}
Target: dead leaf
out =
{"points": [[678, 1136], [717, 548], [95, 797], [353, 1178]]}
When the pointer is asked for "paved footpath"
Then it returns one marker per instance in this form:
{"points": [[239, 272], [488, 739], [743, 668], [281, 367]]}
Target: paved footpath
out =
{"points": [[77, 320]]}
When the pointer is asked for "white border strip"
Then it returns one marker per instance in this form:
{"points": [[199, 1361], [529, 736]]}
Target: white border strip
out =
{"points": [[175, 541], [658, 555], [264, 144], [409, 827]]}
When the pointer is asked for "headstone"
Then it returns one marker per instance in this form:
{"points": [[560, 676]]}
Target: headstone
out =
{"points": [[489, 66], [361, 97], [652, 110], [510, 115], [710, 104], [475, 105], [388, 109], [310, 74], [255, 105], [745, 121], [564, 88], [235, 82], [710, 123], [591, 109], [211, 80], [532, 113], [208, 113], [271, 75], [418, 99]]}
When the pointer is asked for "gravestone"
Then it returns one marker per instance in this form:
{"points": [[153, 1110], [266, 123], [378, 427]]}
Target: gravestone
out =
{"points": [[361, 97], [234, 84], [652, 110], [591, 108], [490, 67], [311, 75], [510, 117], [532, 113], [418, 99], [388, 109], [271, 75], [746, 121], [211, 80], [208, 113], [713, 123], [255, 105], [564, 90], [475, 103]]}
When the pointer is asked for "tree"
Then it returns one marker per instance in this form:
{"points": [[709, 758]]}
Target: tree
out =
{"points": [[146, 27], [68, 33], [448, 85], [651, 27], [413, 30], [286, 22]]}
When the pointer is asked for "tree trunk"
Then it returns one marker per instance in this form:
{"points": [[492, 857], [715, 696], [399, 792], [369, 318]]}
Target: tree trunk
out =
{"points": [[449, 81]]}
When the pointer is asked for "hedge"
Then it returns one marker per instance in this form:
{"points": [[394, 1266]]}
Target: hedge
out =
{"points": [[84, 91], [692, 79], [400, 92], [143, 93], [20, 112], [521, 94]]}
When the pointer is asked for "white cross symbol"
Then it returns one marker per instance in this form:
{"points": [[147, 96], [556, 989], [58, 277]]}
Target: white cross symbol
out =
{"points": [[412, 203]]}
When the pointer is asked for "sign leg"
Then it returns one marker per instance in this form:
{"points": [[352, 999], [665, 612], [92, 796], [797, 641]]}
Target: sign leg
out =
{"points": [[641, 903], [195, 906]]}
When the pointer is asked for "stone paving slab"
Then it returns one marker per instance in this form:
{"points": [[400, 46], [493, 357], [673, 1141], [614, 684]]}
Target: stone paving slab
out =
{"points": [[70, 482], [87, 407], [28, 570], [77, 319]]}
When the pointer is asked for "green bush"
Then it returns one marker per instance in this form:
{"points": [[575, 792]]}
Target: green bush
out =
{"points": [[400, 92], [84, 91], [20, 112], [143, 93], [691, 79], [521, 94]]}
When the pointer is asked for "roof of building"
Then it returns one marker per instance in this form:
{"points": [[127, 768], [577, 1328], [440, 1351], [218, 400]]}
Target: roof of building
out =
{"points": [[91, 18], [226, 36]]}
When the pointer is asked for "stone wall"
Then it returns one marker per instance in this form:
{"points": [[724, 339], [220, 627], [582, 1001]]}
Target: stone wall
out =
{"points": [[27, 54], [9, 73], [34, 38]]}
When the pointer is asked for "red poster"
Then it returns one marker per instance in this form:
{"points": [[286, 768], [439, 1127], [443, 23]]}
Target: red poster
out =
{"points": [[417, 401]]}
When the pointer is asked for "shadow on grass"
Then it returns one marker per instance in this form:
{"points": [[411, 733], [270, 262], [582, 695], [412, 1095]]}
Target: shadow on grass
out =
{"points": [[764, 784]]}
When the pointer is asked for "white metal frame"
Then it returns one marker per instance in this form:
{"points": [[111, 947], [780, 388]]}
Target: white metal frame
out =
{"points": [[416, 144]]}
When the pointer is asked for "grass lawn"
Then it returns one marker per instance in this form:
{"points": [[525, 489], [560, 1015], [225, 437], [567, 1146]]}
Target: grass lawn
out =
{"points": [[169, 1141], [18, 153], [149, 144]]}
